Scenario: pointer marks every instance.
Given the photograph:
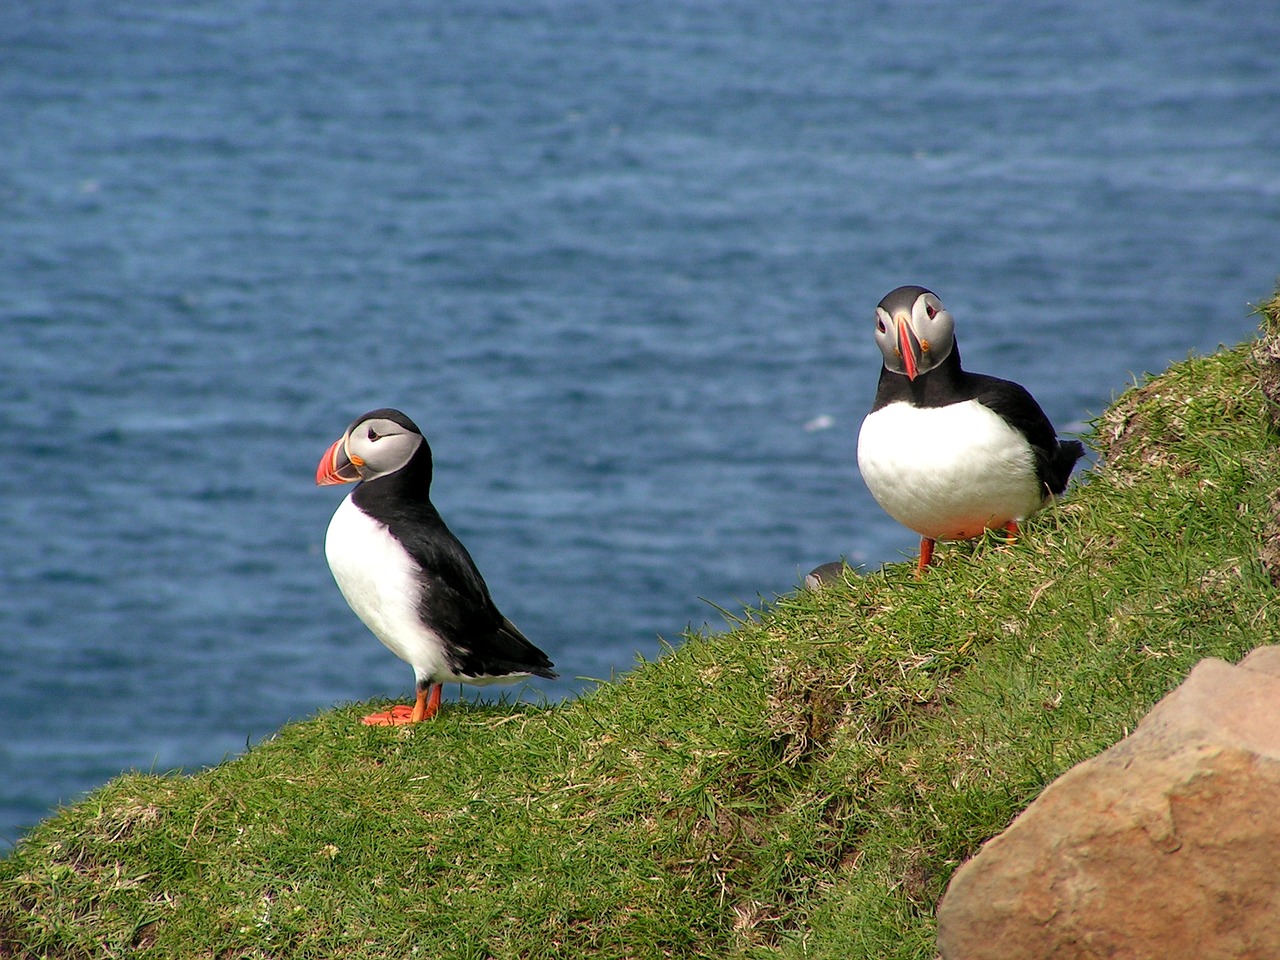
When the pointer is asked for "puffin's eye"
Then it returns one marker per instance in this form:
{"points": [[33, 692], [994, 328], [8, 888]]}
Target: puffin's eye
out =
{"points": [[880, 325], [373, 434], [931, 310]]}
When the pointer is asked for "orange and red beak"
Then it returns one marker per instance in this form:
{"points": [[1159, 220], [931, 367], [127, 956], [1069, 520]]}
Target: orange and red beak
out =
{"points": [[908, 346], [336, 467]]}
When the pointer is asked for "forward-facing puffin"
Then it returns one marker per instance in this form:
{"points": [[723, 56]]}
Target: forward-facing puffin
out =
{"points": [[407, 576], [947, 453]]}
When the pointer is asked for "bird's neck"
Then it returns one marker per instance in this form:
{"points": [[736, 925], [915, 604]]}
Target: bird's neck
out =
{"points": [[411, 483], [935, 387]]}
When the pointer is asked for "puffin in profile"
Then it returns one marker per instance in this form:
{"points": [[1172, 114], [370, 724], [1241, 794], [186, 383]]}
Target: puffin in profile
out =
{"points": [[948, 453], [407, 576]]}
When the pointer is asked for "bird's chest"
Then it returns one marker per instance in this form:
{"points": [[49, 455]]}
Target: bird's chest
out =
{"points": [[378, 579], [948, 472]]}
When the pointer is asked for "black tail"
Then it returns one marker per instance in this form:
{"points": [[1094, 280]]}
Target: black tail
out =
{"points": [[505, 652], [1060, 464], [523, 654]]}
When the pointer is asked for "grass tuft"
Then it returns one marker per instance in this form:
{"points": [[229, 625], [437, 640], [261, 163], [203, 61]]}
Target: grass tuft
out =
{"points": [[800, 786]]}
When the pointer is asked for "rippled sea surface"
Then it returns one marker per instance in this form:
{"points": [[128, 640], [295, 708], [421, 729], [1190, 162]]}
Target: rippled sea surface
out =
{"points": [[619, 261]]}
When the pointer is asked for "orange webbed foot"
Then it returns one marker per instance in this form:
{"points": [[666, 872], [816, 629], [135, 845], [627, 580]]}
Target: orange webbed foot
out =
{"points": [[424, 708], [396, 716]]}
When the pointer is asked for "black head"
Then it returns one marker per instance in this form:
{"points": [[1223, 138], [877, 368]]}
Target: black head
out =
{"points": [[377, 443], [914, 331]]}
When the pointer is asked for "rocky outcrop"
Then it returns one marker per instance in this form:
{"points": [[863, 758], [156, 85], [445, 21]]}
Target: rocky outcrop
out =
{"points": [[1166, 846]]}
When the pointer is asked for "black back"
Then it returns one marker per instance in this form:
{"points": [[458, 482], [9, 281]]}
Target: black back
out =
{"points": [[947, 383], [455, 602]]}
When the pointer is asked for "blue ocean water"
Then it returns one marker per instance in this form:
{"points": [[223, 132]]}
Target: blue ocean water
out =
{"points": [[620, 261]]}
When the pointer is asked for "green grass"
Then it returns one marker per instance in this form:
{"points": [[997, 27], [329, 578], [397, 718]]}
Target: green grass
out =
{"points": [[800, 786]]}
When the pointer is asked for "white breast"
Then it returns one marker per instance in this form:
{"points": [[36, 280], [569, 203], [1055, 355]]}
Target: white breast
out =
{"points": [[378, 579], [950, 472]]}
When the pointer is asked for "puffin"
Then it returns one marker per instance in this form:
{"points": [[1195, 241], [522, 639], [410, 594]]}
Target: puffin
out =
{"points": [[406, 575], [947, 453]]}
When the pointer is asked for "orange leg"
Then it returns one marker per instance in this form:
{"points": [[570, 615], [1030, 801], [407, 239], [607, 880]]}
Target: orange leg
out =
{"points": [[1011, 528], [424, 708], [926, 555]]}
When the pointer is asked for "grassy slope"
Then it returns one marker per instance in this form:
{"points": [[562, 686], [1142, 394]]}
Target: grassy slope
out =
{"points": [[800, 786]]}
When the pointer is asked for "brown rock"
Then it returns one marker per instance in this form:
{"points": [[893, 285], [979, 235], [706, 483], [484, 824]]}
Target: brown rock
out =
{"points": [[1166, 846]]}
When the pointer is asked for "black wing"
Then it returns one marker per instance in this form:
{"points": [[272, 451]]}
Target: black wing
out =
{"points": [[1055, 459], [948, 383], [456, 602]]}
